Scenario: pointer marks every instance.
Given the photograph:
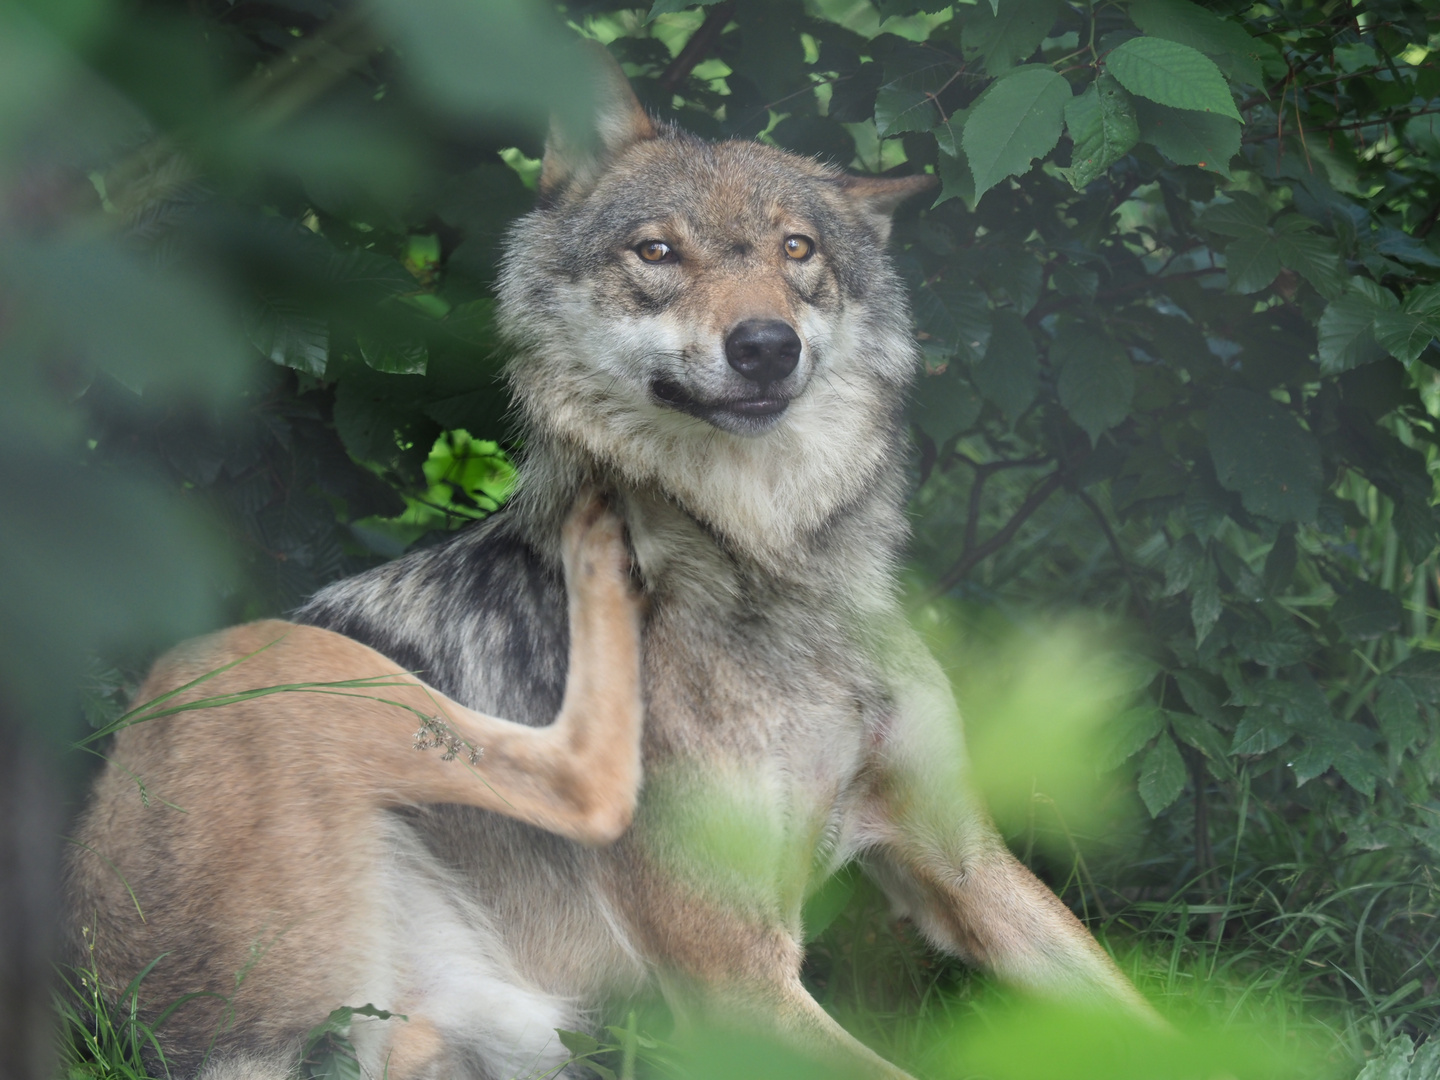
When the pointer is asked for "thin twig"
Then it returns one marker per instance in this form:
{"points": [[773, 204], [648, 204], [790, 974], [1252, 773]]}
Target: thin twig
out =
{"points": [[698, 47], [1116, 550], [969, 559]]}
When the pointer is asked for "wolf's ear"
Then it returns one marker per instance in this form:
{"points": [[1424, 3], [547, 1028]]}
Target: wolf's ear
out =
{"points": [[617, 118], [880, 195]]}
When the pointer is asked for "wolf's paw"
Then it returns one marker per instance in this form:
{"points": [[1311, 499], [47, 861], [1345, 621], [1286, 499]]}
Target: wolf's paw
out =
{"points": [[593, 542]]}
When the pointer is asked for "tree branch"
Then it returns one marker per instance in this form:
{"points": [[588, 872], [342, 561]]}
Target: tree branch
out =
{"points": [[1115, 550], [698, 47], [970, 557]]}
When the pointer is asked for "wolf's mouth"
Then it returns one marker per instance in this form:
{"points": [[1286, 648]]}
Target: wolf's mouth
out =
{"points": [[747, 411]]}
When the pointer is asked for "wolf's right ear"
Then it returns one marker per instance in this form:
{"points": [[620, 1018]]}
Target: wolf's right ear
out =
{"points": [[617, 120]]}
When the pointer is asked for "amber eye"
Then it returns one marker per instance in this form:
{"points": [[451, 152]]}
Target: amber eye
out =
{"points": [[655, 251], [799, 248]]}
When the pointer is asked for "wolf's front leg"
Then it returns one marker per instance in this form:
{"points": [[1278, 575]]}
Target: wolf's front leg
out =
{"points": [[724, 970], [941, 861]]}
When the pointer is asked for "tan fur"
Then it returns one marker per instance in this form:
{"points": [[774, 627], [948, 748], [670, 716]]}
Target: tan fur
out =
{"points": [[243, 839]]}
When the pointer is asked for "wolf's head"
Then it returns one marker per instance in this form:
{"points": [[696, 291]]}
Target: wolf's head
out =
{"points": [[719, 320]]}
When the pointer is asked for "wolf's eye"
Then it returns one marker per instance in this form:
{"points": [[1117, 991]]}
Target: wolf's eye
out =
{"points": [[654, 251], [799, 248]]}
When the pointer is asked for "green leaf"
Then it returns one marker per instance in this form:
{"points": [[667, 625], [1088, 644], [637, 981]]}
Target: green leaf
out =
{"points": [[1273, 646], [1017, 119], [1421, 673], [1182, 564], [1102, 124], [1097, 381], [1280, 562], [1260, 729], [282, 331], [1406, 334], [579, 1043], [1200, 733], [1234, 50], [956, 180], [1009, 32], [907, 103], [1162, 775], [1009, 373], [1240, 216], [1315, 258], [1261, 451], [1367, 612], [955, 316], [1172, 74], [1398, 713], [1314, 758], [1393, 1062], [1359, 767], [665, 7], [394, 355], [1205, 605], [1347, 337], [1188, 137], [1200, 697], [1251, 263], [1128, 734], [366, 423], [945, 405]]}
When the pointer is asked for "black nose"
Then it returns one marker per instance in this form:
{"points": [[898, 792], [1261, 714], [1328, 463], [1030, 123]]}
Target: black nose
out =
{"points": [[763, 350]]}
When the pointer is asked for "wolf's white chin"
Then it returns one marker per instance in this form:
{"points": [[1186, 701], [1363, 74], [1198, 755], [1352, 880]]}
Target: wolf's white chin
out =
{"points": [[765, 491]]}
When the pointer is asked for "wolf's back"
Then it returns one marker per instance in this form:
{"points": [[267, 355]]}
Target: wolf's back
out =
{"points": [[481, 616]]}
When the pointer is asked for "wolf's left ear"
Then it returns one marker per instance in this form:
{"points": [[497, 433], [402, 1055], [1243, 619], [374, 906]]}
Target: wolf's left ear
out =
{"points": [[880, 195], [616, 121]]}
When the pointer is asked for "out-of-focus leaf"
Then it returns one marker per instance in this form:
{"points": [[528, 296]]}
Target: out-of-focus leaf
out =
{"points": [[480, 60], [664, 7], [153, 329]]}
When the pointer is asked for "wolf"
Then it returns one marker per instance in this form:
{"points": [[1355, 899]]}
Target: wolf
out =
{"points": [[713, 333]]}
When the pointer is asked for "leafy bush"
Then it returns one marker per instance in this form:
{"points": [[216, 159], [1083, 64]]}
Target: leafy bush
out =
{"points": [[1178, 297]]}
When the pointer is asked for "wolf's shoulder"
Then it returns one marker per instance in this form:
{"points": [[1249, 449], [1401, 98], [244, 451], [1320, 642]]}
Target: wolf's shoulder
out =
{"points": [[479, 615]]}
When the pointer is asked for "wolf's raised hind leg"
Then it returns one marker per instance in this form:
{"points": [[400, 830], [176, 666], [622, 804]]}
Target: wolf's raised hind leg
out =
{"points": [[580, 776]]}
